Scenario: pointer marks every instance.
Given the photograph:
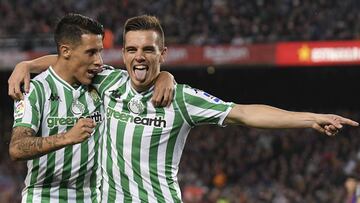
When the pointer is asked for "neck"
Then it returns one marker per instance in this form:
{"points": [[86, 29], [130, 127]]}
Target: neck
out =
{"points": [[63, 70], [139, 88]]}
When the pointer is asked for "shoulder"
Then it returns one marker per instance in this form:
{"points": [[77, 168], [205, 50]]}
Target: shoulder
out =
{"points": [[190, 93], [107, 69]]}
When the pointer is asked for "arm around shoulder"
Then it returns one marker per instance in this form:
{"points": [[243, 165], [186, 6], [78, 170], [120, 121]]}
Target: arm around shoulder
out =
{"points": [[21, 74]]}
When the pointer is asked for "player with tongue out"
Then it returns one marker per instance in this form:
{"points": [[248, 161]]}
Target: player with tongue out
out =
{"points": [[143, 55]]}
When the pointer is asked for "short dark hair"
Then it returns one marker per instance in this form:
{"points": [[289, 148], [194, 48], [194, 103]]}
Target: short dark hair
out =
{"points": [[143, 23], [70, 28]]}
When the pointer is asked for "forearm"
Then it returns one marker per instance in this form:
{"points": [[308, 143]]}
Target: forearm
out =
{"points": [[263, 116], [26, 146], [40, 64]]}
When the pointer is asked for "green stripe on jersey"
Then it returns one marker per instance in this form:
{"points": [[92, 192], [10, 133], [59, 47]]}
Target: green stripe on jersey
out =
{"points": [[83, 162], [169, 157], [153, 157], [50, 166], [68, 152], [120, 162], [135, 160], [202, 103], [110, 80]]}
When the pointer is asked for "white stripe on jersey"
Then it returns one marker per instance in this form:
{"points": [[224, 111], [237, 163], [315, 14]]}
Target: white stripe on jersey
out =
{"points": [[129, 129], [161, 157], [144, 159]]}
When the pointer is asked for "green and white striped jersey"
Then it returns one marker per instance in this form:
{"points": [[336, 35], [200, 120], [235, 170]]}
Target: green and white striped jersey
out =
{"points": [[70, 174], [142, 145]]}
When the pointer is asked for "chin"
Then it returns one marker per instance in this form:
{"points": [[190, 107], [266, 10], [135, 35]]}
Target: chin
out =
{"points": [[86, 82]]}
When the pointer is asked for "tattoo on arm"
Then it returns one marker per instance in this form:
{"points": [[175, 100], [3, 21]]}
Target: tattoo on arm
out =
{"points": [[26, 145]]}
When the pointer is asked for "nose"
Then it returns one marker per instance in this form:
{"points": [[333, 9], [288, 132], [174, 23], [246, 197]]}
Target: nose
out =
{"points": [[139, 57], [98, 60]]}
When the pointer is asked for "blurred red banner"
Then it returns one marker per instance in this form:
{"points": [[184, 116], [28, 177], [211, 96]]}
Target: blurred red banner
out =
{"points": [[208, 55], [318, 53], [270, 55]]}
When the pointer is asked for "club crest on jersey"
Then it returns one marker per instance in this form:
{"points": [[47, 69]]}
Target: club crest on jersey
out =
{"points": [[94, 95], [136, 106], [77, 108], [19, 109]]}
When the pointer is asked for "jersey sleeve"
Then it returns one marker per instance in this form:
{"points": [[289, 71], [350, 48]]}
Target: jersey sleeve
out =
{"points": [[27, 112], [201, 107], [107, 78]]}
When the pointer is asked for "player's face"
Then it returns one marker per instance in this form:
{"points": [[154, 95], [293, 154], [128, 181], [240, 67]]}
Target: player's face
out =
{"points": [[86, 58], [142, 56]]}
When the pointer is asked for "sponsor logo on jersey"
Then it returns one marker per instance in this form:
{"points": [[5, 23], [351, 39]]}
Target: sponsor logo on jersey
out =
{"points": [[19, 109], [54, 97], [136, 106], [128, 118], [70, 121], [115, 93]]}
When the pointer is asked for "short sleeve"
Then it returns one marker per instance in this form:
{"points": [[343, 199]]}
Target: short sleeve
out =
{"points": [[27, 112], [203, 108], [107, 78]]}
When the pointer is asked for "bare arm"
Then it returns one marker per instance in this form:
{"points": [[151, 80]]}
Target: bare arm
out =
{"points": [[21, 74], [25, 145], [164, 85], [263, 116]]}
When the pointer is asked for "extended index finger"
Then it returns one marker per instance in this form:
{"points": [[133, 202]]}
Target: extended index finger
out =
{"points": [[347, 121]]}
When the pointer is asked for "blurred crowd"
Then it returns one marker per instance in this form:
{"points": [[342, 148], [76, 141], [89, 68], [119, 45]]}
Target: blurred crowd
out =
{"points": [[12, 174], [201, 22], [241, 165]]}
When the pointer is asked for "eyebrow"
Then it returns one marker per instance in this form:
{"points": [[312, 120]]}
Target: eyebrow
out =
{"points": [[149, 47], [93, 50]]}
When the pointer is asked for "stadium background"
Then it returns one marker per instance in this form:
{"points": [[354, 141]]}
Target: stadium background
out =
{"points": [[293, 54]]}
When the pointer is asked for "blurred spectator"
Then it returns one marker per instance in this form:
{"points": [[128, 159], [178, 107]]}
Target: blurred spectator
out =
{"points": [[203, 22], [108, 40]]}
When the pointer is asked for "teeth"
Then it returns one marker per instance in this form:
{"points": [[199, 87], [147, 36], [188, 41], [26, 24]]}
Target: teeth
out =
{"points": [[140, 67], [91, 75]]}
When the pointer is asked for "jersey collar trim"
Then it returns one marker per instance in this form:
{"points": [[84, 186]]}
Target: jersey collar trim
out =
{"points": [[58, 78], [145, 93]]}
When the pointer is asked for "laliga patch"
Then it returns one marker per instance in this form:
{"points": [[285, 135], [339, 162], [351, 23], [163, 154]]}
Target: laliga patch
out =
{"points": [[19, 109], [206, 96]]}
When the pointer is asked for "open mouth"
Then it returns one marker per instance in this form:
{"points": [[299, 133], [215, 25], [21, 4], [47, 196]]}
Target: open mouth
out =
{"points": [[91, 73], [140, 72]]}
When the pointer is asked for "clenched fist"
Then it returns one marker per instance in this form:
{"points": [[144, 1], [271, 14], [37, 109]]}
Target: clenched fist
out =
{"points": [[81, 131]]}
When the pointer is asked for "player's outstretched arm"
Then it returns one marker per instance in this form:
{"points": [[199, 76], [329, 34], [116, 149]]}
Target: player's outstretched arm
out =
{"points": [[263, 116], [164, 89], [21, 74], [25, 145]]}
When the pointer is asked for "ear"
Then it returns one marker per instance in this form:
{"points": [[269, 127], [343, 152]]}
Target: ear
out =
{"points": [[65, 51], [123, 54], [163, 55]]}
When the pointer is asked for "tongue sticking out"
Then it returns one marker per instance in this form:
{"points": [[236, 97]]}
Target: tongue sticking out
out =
{"points": [[140, 74]]}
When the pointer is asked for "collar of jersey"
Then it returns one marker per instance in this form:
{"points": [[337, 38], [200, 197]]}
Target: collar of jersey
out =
{"points": [[145, 93], [58, 78]]}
